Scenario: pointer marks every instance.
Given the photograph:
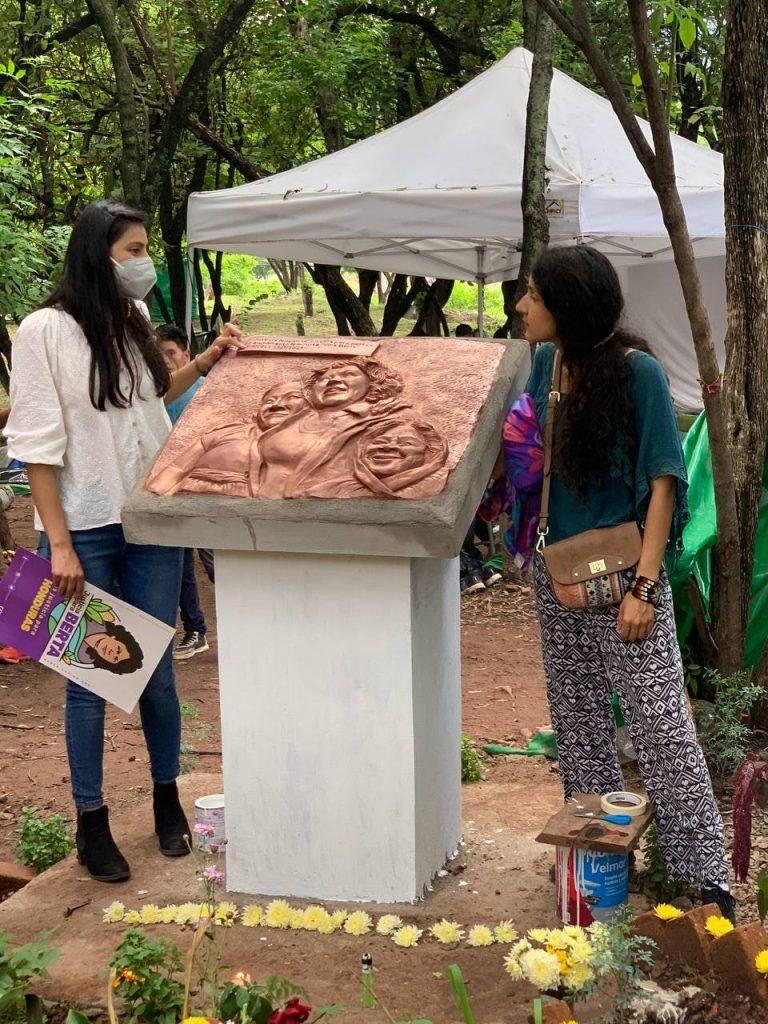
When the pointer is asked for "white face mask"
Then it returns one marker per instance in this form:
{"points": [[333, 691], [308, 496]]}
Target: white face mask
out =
{"points": [[135, 278]]}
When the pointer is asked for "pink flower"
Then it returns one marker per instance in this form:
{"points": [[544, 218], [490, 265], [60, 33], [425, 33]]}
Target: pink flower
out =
{"points": [[205, 830], [213, 874]]}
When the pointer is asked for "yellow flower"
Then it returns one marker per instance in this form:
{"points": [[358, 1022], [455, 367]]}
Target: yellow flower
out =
{"points": [[573, 931], [195, 1020], [186, 913], [761, 962], [480, 935], [296, 920], [666, 912], [168, 914], [520, 947], [513, 968], [278, 914], [581, 951], [541, 969], [407, 936], [387, 923], [505, 931], [241, 979], [718, 926], [539, 934], [114, 913], [446, 932], [313, 915], [557, 939], [578, 977], [150, 914], [358, 923], [226, 914], [339, 917], [329, 924], [132, 917], [252, 916]]}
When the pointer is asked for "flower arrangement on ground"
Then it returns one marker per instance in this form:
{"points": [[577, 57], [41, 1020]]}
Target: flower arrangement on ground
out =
{"points": [[554, 960]]}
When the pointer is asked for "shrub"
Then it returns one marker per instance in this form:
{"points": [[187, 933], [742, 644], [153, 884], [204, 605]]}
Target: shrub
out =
{"points": [[472, 767], [42, 841]]}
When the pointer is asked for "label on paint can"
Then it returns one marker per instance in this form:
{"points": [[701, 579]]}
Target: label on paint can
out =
{"points": [[591, 886], [209, 810]]}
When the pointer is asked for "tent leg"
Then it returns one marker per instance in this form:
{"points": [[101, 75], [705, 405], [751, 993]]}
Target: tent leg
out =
{"points": [[481, 291], [190, 284]]}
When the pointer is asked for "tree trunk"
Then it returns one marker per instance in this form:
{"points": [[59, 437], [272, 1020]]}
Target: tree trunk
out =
{"points": [[307, 295], [541, 30], [658, 164], [367, 285], [431, 319], [745, 133], [130, 161], [282, 271], [347, 309], [5, 355], [201, 311], [399, 301]]}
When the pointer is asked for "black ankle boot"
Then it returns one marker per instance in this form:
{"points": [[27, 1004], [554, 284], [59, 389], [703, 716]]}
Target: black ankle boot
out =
{"points": [[97, 850], [723, 898], [170, 821]]}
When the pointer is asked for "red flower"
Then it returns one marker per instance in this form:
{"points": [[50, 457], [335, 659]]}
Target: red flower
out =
{"points": [[293, 1012]]}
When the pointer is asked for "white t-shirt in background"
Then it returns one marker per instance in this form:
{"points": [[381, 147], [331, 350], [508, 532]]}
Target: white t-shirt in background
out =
{"points": [[99, 457]]}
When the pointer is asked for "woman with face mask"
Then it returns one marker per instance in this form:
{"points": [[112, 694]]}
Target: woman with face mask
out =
{"points": [[88, 394]]}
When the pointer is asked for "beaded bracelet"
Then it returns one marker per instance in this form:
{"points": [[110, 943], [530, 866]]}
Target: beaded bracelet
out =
{"points": [[645, 589]]}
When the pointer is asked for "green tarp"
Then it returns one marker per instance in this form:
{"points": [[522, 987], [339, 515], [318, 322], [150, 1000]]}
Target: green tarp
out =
{"points": [[699, 538], [164, 288]]}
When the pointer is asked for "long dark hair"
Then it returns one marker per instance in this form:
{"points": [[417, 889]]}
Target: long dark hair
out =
{"points": [[115, 330], [580, 288], [135, 658]]}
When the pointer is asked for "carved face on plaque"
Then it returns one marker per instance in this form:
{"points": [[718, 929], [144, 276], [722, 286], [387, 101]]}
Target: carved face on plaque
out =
{"points": [[289, 422]]}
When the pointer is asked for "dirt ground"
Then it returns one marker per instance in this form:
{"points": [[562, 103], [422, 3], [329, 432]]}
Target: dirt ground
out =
{"points": [[501, 872]]}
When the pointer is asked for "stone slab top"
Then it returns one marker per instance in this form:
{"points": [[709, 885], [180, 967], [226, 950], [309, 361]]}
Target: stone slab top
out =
{"points": [[272, 454]]}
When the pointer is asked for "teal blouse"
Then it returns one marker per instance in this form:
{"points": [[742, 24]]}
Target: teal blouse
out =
{"points": [[620, 492]]}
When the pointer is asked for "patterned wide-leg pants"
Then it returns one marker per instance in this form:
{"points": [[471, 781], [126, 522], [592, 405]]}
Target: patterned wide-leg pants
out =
{"points": [[584, 659]]}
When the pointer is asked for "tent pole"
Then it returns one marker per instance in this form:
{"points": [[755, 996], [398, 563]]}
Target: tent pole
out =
{"points": [[190, 283], [481, 291]]}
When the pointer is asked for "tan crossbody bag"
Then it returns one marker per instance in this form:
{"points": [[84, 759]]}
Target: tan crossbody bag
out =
{"points": [[592, 569]]}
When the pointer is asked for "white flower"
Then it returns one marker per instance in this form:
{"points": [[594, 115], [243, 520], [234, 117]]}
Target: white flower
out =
{"points": [[388, 923], [541, 968]]}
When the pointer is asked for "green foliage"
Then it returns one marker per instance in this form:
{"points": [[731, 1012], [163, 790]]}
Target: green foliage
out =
{"points": [[460, 993], [188, 709], [725, 737], [621, 959], [472, 767], [144, 979], [18, 966], [655, 882], [42, 841], [248, 1001], [188, 758]]}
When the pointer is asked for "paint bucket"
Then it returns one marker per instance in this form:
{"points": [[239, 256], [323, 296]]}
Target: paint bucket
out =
{"points": [[590, 886], [209, 810]]}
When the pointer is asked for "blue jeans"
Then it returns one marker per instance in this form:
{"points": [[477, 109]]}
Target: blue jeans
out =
{"points": [[149, 578], [192, 617]]}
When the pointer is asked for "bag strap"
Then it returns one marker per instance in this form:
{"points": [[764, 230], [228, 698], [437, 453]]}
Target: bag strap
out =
{"points": [[554, 397]]}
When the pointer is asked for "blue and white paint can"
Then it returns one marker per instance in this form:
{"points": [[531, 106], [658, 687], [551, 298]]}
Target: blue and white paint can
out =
{"points": [[590, 886]]}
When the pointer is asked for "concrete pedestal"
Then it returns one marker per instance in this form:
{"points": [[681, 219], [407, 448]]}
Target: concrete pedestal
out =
{"points": [[340, 706]]}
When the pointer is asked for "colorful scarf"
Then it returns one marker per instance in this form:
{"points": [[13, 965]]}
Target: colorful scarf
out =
{"points": [[519, 494]]}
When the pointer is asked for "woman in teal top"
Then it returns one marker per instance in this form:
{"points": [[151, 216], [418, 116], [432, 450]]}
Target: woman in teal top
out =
{"points": [[617, 458]]}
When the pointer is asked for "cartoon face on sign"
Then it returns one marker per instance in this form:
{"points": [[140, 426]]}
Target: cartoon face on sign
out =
{"points": [[97, 640], [341, 430]]}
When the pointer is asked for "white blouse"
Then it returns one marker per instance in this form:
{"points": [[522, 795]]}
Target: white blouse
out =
{"points": [[99, 457]]}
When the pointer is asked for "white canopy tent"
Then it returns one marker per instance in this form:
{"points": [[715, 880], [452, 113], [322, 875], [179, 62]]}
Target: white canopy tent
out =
{"points": [[439, 195]]}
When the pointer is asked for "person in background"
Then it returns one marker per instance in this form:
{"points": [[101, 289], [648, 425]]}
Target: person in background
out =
{"points": [[174, 347], [88, 393]]}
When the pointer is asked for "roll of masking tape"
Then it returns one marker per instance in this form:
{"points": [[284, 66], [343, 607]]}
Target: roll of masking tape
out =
{"points": [[624, 803]]}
